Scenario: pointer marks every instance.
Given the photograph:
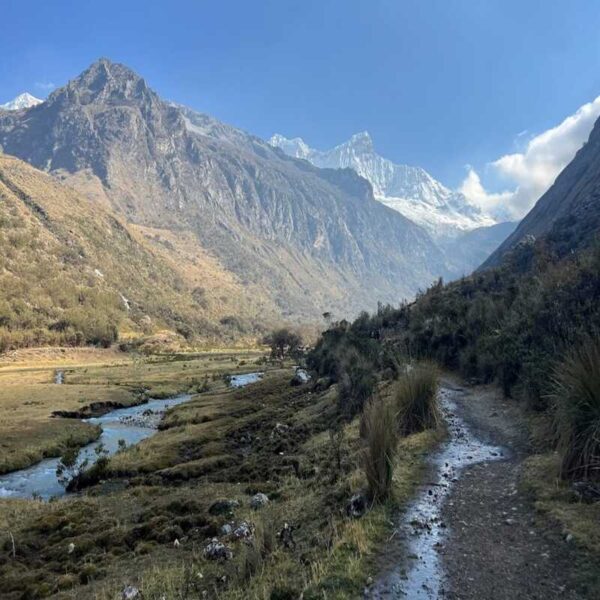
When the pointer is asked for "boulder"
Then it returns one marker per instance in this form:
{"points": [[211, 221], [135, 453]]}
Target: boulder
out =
{"points": [[223, 506], [357, 506], [259, 500], [216, 550], [301, 376]]}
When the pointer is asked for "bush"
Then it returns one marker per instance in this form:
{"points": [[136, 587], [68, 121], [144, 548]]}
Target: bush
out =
{"points": [[416, 400], [356, 383], [381, 437], [576, 402]]}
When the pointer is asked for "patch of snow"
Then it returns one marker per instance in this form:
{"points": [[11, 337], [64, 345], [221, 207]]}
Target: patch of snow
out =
{"points": [[22, 101], [408, 190]]}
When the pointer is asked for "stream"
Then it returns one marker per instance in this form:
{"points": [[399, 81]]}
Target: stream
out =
{"points": [[411, 565], [132, 424]]}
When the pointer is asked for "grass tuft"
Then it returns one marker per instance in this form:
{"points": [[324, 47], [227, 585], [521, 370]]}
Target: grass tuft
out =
{"points": [[416, 400], [381, 436], [576, 401]]}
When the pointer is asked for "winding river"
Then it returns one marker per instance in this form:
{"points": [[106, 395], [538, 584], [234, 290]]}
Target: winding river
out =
{"points": [[132, 425]]}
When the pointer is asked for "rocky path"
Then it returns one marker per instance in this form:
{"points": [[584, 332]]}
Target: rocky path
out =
{"points": [[471, 533]]}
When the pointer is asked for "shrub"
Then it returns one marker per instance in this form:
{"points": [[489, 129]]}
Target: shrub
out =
{"points": [[381, 438], [576, 402], [356, 383], [416, 400]]}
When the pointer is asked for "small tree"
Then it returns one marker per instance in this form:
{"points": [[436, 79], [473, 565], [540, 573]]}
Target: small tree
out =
{"points": [[283, 342]]}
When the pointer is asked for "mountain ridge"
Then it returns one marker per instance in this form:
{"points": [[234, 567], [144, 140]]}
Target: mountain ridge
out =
{"points": [[22, 101], [567, 215], [409, 190], [314, 239]]}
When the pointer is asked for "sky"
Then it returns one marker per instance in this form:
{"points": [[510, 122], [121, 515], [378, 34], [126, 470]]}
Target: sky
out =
{"points": [[492, 97]]}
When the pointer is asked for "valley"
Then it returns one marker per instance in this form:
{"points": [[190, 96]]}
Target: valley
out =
{"points": [[242, 367]]}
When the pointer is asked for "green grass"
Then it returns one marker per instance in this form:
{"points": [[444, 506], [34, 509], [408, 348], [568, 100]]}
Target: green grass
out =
{"points": [[123, 530]]}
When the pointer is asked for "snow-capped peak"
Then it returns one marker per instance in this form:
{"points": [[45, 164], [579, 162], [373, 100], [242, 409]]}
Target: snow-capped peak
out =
{"points": [[295, 147], [409, 190], [22, 101]]}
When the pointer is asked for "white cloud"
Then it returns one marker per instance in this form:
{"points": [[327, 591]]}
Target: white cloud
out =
{"points": [[531, 172], [45, 86]]}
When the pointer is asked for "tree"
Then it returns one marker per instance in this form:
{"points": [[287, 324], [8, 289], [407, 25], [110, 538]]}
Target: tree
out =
{"points": [[283, 342]]}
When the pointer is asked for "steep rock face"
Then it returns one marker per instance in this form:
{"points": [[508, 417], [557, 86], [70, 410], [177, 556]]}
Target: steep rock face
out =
{"points": [[410, 191], [313, 239], [568, 214], [67, 263]]}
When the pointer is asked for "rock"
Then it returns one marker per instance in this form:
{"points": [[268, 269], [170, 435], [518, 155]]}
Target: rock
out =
{"points": [[300, 377], [280, 430], [259, 500], [286, 536], [130, 592], [569, 538], [223, 506], [509, 521], [216, 550], [176, 543], [357, 506], [71, 548], [244, 530], [226, 529]]}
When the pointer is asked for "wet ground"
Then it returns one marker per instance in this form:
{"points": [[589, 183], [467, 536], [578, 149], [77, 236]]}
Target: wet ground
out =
{"points": [[127, 426], [471, 534], [422, 531]]}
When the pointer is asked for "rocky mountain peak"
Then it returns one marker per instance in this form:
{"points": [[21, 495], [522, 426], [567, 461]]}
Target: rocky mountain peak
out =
{"points": [[361, 143], [106, 82], [22, 101]]}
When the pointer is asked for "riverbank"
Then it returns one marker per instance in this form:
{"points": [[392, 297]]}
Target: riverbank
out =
{"points": [[29, 396], [150, 522]]}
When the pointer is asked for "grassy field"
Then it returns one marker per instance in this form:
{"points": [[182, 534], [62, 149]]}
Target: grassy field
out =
{"points": [[28, 396], [270, 437]]}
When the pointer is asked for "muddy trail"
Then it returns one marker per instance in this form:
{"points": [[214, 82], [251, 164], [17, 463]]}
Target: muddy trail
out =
{"points": [[471, 533]]}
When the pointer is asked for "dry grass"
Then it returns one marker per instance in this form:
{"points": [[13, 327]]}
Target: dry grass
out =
{"points": [[381, 437], [127, 532], [576, 402], [416, 400]]}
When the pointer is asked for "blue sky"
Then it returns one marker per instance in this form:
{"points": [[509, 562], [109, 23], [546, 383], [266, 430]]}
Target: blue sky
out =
{"points": [[437, 83]]}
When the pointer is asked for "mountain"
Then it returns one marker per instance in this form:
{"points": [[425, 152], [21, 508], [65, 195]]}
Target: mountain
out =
{"points": [[22, 101], [72, 271], [568, 214], [410, 191], [298, 238]]}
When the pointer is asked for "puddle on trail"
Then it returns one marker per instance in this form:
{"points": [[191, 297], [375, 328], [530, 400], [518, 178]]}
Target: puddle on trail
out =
{"points": [[131, 424], [413, 567]]}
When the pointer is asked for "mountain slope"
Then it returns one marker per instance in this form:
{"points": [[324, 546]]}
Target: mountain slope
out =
{"points": [[311, 239], [569, 212], [409, 190], [73, 272], [22, 101]]}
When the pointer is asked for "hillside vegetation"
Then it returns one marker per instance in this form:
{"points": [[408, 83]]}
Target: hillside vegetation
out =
{"points": [[72, 273]]}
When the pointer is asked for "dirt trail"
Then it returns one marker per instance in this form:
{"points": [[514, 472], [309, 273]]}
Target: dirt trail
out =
{"points": [[477, 537]]}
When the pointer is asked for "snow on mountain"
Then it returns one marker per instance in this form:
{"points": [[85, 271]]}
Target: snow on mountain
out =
{"points": [[22, 101], [409, 190]]}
